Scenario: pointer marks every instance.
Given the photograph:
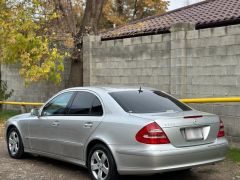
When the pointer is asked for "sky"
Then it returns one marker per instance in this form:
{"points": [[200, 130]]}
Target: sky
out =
{"points": [[174, 4]]}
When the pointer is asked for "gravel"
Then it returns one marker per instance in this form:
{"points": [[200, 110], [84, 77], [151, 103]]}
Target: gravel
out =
{"points": [[41, 168]]}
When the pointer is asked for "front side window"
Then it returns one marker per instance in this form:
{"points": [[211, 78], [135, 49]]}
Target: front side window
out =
{"points": [[57, 106], [147, 101], [86, 104]]}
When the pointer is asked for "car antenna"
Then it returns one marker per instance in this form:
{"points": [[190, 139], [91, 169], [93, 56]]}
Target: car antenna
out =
{"points": [[140, 90]]}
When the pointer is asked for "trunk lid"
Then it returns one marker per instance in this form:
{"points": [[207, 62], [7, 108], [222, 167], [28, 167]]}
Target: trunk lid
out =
{"points": [[186, 128]]}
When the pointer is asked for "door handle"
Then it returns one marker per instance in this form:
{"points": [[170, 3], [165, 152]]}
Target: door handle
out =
{"points": [[55, 123], [88, 125]]}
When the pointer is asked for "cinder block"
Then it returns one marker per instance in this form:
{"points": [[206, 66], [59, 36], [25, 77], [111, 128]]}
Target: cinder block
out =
{"points": [[146, 54], [233, 50], [203, 80], [234, 29], [226, 80], [220, 90], [218, 50], [178, 44], [193, 43], [205, 32], [157, 38], [96, 44], [192, 34], [127, 41], [177, 53], [110, 43], [164, 80], [220, 31], [147, 71], [178, 35], [210, 41], [228, 40], [137, 40], [146, 39], [118, 42], [166, 37]]}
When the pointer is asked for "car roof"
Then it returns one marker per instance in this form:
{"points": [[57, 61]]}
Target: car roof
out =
{"points": [[112, 88]]}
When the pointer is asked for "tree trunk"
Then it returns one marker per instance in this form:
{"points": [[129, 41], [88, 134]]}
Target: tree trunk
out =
{"points": [[89, 25], [134, 10], [119, 7]]}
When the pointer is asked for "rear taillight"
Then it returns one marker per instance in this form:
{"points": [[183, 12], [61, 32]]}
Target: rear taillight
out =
{"points": [[152, 134], [221, 132]]}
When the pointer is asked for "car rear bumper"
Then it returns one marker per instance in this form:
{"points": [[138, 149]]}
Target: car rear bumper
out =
{"points": [[155, 160]]}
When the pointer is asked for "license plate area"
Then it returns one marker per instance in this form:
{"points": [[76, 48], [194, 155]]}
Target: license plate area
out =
{"points": [[193, 134]]}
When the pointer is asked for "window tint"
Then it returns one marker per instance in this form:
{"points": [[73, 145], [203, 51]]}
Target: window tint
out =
{"points": [[147, 102], [57, 106], [86, 104], [96, 108]]}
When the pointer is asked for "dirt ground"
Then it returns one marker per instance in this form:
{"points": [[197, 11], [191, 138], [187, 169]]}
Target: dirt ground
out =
{"points": [[41, 168]]}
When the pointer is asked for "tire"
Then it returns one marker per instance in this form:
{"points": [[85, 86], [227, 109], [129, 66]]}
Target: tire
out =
{"points": [[101, 163], [14, 144]]}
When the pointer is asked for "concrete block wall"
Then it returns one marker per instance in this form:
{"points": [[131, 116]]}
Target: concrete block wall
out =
{"points": [[36, 92], [186, 63], [130, 61]]}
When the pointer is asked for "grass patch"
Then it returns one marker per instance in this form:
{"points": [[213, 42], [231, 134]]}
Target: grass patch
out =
{"points": [[234, 154], [5, 114]]}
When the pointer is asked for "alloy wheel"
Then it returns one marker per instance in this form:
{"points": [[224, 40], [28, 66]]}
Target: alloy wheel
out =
{"points": [[99, 165], [13, 143]]}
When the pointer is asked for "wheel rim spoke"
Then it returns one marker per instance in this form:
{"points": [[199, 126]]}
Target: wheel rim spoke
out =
{"points": [[96, 156], [94, 167], [16, 147], [11, 141], [100, 175], [105, 170], [103, 158], [99, 165], [16, 140]]}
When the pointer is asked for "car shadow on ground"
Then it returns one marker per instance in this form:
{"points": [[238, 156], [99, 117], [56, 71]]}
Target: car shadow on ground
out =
{"points": [[60, 165]]}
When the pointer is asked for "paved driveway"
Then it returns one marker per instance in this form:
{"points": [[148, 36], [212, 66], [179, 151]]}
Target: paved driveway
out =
{"points": [[40, 168]]}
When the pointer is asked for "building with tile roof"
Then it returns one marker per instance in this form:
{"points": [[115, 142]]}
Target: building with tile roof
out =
{"points": [[205, 14]]}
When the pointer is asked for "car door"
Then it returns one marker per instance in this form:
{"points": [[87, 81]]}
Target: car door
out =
{"points": [[84, 115], [44, 130]]}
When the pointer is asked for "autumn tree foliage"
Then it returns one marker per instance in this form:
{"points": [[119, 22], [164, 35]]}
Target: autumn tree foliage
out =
{"points": [[34, 32], [120, 12], [25, 40]]}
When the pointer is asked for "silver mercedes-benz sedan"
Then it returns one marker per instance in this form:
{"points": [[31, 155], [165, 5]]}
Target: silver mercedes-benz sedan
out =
{"points": [[114, 131]]}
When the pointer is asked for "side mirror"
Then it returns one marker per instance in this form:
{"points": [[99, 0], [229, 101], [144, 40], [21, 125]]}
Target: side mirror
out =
{"points": [[35, 112]]}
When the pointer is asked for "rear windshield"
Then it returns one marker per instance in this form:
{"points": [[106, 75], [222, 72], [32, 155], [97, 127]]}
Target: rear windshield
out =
{"points": [[147, 101]]}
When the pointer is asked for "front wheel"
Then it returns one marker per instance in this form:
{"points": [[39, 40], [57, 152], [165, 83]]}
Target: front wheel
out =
{"points": [[15, 145], [101, 164]]}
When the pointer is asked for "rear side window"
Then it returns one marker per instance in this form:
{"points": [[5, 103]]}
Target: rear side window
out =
{"points": [[147, 102], [96, 108], [86, 104]]}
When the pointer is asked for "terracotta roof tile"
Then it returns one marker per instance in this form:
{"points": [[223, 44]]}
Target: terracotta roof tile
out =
{"points": [[209, 13]]}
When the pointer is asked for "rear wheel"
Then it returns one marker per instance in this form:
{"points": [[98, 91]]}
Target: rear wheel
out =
{"points": [[101, 164], [15, 145]]}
